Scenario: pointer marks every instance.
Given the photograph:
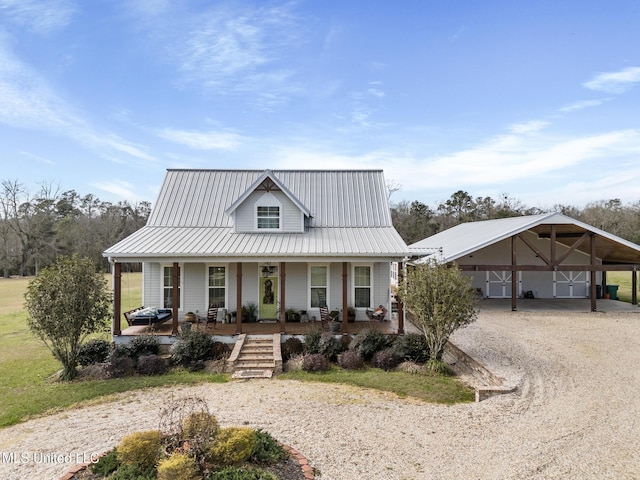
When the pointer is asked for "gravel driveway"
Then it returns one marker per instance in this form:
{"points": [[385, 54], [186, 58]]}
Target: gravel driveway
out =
{"points": [[575, 413]]}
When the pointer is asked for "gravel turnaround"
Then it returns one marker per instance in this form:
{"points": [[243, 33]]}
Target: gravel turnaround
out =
{"points": [[575, 413]]}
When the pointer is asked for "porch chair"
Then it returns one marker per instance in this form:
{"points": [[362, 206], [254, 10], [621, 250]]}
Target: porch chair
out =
{"points": [[212, 317], [377, 314], [325, 318]]}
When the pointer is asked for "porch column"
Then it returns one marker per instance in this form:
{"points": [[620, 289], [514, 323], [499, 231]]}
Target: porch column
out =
{"points": [[283, 304], [514, 282], [592, 278], [345, 306], [175, 296], [117, 298], [400, 304], [239, 297], [634, 287]]}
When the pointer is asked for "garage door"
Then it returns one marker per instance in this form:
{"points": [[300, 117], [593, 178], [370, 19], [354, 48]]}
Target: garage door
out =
{"points": [[498, 284], [570, 284]]}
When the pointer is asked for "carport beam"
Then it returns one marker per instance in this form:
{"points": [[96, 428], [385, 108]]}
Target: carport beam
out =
{"points": [[514, 284], [592, 278]]}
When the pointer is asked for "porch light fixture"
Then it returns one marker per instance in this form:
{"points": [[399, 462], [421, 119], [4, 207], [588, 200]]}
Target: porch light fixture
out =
{"points": [[267, 270]]}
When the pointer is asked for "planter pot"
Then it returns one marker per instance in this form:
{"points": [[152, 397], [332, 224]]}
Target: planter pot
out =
{"points": [[351, 318], [189, 317]]}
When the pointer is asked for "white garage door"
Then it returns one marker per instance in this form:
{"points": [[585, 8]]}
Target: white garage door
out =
{"points": [[498, 284], [571, 284]]}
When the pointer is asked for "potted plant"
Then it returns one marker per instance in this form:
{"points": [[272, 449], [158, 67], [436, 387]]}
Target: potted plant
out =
{"points": [[351, 314], [250, 312], [334, 324], [292, 315], [190, 317]]}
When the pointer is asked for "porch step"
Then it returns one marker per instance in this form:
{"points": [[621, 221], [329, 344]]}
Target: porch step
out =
{"points": [[255, 356]]}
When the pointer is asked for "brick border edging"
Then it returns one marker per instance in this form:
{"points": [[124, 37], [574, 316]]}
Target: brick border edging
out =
{"points": [[307, 470]]}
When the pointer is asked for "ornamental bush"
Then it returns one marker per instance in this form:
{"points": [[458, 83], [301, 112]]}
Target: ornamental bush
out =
{"points": [[233, 445], [412, 347], [179, 466], [351, 360], [94, 351], [142, 449], [151, 365], [291, 346], [144, 345], [241, 473], [386, 359], [191, 347], [316, 362], [370, 341], [266, 449]]}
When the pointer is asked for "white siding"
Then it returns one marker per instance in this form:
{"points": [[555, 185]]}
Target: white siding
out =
{"points": [[291, 217]]}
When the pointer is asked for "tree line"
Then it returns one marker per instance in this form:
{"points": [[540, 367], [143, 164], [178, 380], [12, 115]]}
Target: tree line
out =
{"points": [[36, 228], [415, 220]]}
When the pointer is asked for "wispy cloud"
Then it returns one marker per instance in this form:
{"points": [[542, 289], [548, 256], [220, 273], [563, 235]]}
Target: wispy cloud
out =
{"points": [[203, 140], [579, 105], [615, 82], [26, 101], [39, 16], [532, 126], [236, 52], [122, 189], [37, 157]]}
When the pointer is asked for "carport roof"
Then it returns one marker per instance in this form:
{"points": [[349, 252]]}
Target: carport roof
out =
{"points": [[467, 238]]}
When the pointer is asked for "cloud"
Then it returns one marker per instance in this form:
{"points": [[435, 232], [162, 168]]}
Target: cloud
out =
{"points": [[532, 126], [39, 16], [614, 82], [37, 157], [203, 140], [120, 189], [238, 52], [375, 92], [582, 104]]}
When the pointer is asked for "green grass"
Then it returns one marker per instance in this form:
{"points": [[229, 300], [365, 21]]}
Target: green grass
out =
{"points": [[623, 279], [430, 388], [26, 364]]}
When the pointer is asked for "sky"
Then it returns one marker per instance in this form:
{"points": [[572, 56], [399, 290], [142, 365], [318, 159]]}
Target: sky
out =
{"points": [[537, 100]]}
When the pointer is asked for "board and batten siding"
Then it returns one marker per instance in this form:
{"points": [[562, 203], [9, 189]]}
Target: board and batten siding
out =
{"points": [[291, 217]]}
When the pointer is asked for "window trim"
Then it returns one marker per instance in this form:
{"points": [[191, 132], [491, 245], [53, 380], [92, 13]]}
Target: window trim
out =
{"points": [[327, 286], [353, 284], [207, 287], [163, 287]]}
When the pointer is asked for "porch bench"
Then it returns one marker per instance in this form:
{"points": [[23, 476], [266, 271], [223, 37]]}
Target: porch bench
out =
{"points": [[144, 316]]}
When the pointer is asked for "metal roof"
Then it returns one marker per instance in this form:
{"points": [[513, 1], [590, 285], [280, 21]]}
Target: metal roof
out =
{"points": [[467, 238], [349, 210]]}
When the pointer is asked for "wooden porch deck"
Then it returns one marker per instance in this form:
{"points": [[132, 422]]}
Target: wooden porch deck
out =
{"points": [[266, 328]]}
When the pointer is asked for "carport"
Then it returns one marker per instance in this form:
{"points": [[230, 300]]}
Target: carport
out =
{"points": [[550, 255]]}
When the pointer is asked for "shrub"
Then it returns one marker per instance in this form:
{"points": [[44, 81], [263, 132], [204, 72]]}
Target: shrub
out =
{"points": [[291, 346], [312, 340], [267, 449], [120, 366], [412, 367], [386, 359], [94, 351], [220, 350], [330, 345], [142, 449], [351, 360], [315, 362], [242, 473], [202, 426], [144, 345], [151, 365], [370, 341], [294, 364], [233, 445], [179, 466], [107, 464], [345, 342], [118, 351], [133, 472], [412, 347], [191, 347]]}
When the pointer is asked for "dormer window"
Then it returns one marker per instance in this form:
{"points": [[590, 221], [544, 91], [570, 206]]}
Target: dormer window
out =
{"points": [[268, 218]]}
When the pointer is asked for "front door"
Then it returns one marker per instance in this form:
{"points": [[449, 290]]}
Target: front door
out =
{"points": [[268, 297]]}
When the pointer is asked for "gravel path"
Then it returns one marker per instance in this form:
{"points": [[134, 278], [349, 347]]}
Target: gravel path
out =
{"points": [[575, 413]]}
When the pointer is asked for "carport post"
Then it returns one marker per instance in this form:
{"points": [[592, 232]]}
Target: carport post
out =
{"points": [[592, 278], [514, 284], [634, 287]]}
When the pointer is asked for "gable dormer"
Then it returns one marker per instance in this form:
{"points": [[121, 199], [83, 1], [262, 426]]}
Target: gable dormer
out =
{"points": [[267, 206]]}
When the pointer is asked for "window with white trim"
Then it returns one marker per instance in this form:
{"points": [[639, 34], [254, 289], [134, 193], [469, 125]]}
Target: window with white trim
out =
{"points": [[318, 285], [167, 286], [362, 286], [217, 285], [268, 217]]}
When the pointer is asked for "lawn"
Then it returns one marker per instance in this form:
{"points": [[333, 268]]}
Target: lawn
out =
{"points": [[26, 364], [623, 279], [26, 367]]}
